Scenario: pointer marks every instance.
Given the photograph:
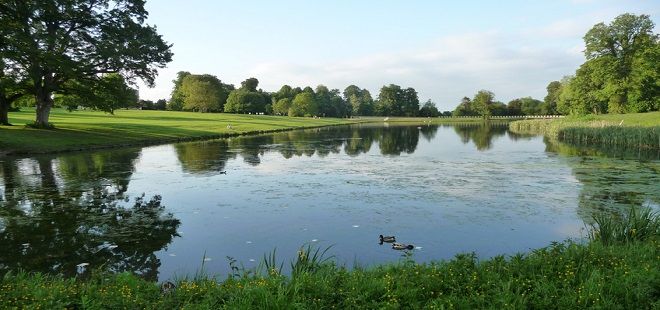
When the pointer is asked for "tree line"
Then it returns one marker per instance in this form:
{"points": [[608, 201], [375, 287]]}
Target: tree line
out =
{"points": [[621, 75], [207, 93]]}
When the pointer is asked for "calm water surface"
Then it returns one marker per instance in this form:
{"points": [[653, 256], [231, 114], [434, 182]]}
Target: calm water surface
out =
{"points": [[446, 189]]}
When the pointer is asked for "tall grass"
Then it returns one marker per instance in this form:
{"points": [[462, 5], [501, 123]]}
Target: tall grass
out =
{"points": [[563, 275], [631, 131], [637, 225]]}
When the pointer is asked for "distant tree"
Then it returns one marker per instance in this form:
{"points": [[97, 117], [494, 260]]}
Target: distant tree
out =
{"points": [[304, 104], [482, 103], [550, 100], [177, 98], [146, 104], [409, 102], [203, 93], [359, 100], [525, 106], [388, 102], [465, 108], [498, 108], [429, 109], [447, 113], [59, 41], [250, 84], [281, 107], [161, 104], [247, 99]]}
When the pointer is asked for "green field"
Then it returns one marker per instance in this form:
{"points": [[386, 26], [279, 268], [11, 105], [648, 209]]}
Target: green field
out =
{"points": [[86, 130], [620, 130], [82, 130]]}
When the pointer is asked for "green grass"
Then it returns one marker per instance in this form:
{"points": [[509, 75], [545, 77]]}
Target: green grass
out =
{"points": [[624, 274], [620, 130], [86, 129]]}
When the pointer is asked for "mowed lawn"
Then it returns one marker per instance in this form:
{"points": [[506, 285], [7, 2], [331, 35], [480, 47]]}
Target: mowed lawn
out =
{"points": [[89, 129]]}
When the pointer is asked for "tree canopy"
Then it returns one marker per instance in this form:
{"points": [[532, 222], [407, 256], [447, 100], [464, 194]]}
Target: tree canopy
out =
{"points": [[57, 41]]}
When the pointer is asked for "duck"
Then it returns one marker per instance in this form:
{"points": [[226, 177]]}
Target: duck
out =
{"points": [[388, 239], [167, 287], [401, 246]]}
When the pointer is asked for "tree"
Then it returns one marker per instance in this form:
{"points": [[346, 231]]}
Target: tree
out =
{"points": [[464, 108], [621, 71], [409, 102], [108, 93], [359, 100], [429, 109], [56, 41], [177, 98], [524, 106], [247, 99], [304, 104], [161, 104], [203, 93], [281, 107], [10, 91], [389, 101], [482, 103], [550, 100]]}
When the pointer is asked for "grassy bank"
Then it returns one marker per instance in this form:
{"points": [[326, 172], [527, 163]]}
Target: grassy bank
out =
{"points": [[620, 130], [81, 130], [618, 269], [87, 130]]}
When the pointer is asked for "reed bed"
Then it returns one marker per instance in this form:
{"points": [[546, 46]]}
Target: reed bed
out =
{"points": [[631, 131]]}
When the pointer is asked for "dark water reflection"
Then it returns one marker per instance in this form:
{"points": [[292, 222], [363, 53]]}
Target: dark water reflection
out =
{"points": [[64, 214], [447, 189]]}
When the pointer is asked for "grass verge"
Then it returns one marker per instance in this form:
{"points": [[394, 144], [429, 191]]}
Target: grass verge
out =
{"points": [[82, 130], [641, 130], [609, 275]]}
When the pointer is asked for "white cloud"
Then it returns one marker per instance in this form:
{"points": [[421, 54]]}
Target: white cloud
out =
{"points": [[444, 71]]}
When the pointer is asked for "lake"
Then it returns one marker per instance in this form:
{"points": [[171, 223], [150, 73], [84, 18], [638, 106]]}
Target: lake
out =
{"points": [[446, 189]]}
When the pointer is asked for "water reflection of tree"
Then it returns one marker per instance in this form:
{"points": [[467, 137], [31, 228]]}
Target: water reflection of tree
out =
{"points": [[57, 213], [481, 134], [212, 156], [612, 180], [204, 157]]}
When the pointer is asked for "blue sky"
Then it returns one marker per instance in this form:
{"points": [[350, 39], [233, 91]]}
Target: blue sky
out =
{"points": [[444, 49]]}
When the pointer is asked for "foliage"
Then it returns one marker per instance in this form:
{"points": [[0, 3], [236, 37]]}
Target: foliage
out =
{"points": [[359, 100], [621, 74], [395, 101], [551, 99], [637, 225], [563, 275], [247, 99], [203, 93], [59, 41], [524, 106], [177, 97], [625, 130], [429, 109], [304, 104], [107, 94]]}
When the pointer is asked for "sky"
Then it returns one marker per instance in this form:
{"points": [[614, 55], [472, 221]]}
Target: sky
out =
{"points": [[444, 49]]}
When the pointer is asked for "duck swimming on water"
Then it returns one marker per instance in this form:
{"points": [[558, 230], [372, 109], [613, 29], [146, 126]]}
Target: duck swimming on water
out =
{"points": [[388, 239], [401, 246]]}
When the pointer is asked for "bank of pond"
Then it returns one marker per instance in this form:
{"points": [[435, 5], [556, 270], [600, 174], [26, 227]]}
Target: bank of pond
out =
{"points": [[567, 275]]}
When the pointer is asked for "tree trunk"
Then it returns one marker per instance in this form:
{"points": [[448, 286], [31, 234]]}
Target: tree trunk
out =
{"points": [[4, 112], [44, 104]]}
